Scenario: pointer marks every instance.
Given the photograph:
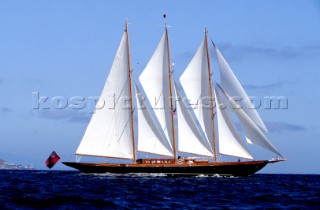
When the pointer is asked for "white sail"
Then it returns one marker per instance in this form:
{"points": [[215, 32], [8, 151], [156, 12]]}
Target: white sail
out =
{"points": [[196, 85], [150, 138], [155, 82], [190, 138], [109, 133], [230, 141], [233, 88], [252, 132]]}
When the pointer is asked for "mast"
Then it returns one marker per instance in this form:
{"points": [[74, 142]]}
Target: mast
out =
{"points": [[130, 87], [170, 88], [211, 98]]}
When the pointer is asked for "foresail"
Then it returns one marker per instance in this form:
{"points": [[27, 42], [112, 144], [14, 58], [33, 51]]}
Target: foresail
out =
{"points": [[196, 85], [233, 88], [150, 138], [155, 82], [230, 141], [190, 138], [109, 133], [253, 134]]}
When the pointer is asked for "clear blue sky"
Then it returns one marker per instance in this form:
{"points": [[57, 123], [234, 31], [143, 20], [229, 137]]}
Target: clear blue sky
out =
{"points": [[66, 48]]}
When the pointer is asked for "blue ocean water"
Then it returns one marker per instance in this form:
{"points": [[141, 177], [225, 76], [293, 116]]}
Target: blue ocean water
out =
{"points": [[71, 189]]}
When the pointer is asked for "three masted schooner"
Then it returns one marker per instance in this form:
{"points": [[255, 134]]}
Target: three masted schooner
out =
{"points": [[111, 132]]}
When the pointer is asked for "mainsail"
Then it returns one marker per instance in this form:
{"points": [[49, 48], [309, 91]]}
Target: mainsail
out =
{"points": [[156, 84], [196, 85], [150, 138], [233, 88], [190, 138], [109, 133]]}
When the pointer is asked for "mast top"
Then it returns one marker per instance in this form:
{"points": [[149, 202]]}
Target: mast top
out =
{"points": [[165, 20], [206, 30], [126, 24]]}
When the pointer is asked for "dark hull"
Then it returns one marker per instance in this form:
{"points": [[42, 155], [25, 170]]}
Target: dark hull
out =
{"points": [[246, 168]]}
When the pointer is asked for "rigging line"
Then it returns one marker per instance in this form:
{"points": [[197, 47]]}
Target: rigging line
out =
{"points": [[176, 27], [120, 94], [214, 45], [182, 28], [220, 88], [148, 25]]}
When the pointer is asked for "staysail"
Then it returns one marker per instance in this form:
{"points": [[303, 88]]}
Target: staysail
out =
{"points": [[230, 141], [156, 84], [190, 138], [233, 88], [109, 133], [196, 85], [252, 132], [150, 138]]}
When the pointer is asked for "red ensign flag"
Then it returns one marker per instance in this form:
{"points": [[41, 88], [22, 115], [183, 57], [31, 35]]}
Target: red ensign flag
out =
{"points": [[52, 159]]}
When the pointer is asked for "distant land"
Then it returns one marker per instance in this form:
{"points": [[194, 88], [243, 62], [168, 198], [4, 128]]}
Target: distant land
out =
{"points": [[11, 166]]}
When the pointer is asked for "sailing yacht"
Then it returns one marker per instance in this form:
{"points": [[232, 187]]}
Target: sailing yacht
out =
{"points": [[168, 126]]}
